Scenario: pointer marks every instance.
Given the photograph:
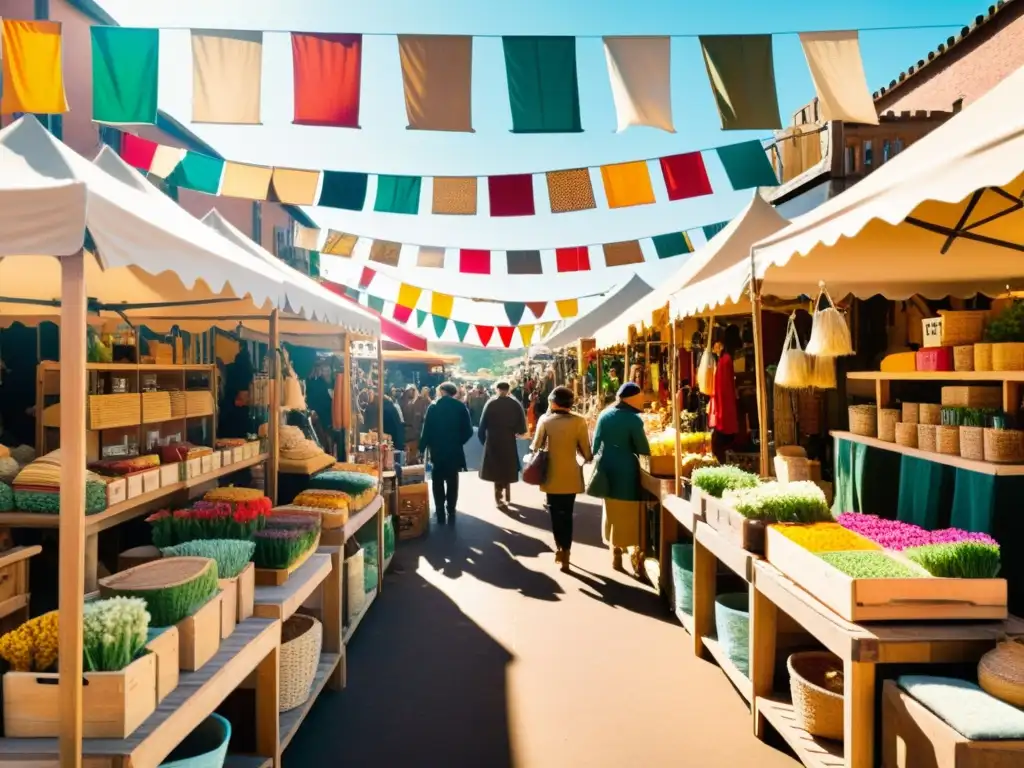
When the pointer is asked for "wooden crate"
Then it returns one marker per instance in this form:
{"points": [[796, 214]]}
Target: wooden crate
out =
{"points": [[156, 406], [859, 600], [228, 606], [178, 404], [275, 577], [744, 533], [164, 645], [199, 403], [111, 411], [200, 635], [412, 525], [114, 704], [659, 466], [246, 592]]}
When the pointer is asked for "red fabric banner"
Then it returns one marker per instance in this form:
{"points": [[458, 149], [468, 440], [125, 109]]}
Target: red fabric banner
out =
{"points": [[327, 72], [685, 176], [473, 262], [366, 277], [511, 195], [537, 307], [505, 332], [573, 259], [402, 314], [484, 332], [137, 152]]}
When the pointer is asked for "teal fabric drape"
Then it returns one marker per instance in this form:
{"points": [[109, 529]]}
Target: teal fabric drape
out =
{"points": [[543, 86], [865, 480], [125, 71], [926, 493]]}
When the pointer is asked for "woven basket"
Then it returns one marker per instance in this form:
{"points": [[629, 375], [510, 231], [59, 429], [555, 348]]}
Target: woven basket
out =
{"points": [[972, 397], [732, 625], [301, 640], [947, 440], [1008, 356], [983, 357], [110, 411], [1004, 446], [864, 420], [926, 437], [682, 577], [177, 405], [962, 326], [929, 413], [887, 418], [972, 443], [156, 406], [906, 434], [1001, 672], [817, 710], [205, 747], [963, 358], [911, 413]]}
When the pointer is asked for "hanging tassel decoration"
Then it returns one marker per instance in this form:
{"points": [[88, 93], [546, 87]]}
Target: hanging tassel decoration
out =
{"points": [[830, 335], [794, 369], [823, 372]]}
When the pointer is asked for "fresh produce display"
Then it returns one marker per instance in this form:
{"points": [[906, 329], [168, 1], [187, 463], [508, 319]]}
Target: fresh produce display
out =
{"points": [[172, 588], [690, 462], [231, 555], [825, 537], [113, 633], [37, 487], [870, 565], [31, 647], [958, 560], [208, 520], [663, 443], [897, 535], [6, 498], [714, 481], [284, 540], [798, 502]]}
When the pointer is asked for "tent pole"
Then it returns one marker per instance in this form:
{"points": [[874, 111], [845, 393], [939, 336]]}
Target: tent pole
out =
{"points": [[380, 462], [273, 423], [71, 589], [673, 386], [759, 375]]}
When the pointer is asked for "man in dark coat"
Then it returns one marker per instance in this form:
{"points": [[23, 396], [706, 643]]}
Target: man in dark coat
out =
{"points": [[503, 418], [446, 428]]}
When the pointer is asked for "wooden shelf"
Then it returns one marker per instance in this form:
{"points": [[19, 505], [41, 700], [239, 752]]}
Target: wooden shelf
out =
{"points": [[52, 365], [740, 681], [354, 625], [936, 376], [984, 467], [810, 750], [363, 516], [681, 510], [733, 557], [283, 601]]}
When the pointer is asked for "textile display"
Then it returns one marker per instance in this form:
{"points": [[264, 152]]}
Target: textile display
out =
{"points": [[511, 195], [327, 70], [437, 80], [251, 182], [685, 176], [454, 195], [741, 71], [838, 74], [627, 184], [293, 186], [343, 189], [430, 257], [524, 263], [570, 190], [474, 262], [227, 75], [33, 78], [385, 252], [398, 194], [747, 165], [339, 244], [639, 69], [622, 253], [543, 88], [125, 73], [572, 259]]}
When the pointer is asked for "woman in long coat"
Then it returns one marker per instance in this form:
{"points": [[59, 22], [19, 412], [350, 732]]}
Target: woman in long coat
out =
{"points": [[502, 420], [619, 438]]}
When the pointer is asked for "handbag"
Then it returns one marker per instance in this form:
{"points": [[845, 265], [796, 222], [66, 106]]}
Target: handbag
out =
{"points": [[535, 467]]}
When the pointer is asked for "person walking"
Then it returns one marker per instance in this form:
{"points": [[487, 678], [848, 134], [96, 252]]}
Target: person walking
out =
{"points": [[564, 435], [446, 428], [502, 420], [618, 439], [476, 402], [414, 408]]}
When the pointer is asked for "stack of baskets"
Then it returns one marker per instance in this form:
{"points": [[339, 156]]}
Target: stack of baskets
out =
{"points": [[816, 685]]}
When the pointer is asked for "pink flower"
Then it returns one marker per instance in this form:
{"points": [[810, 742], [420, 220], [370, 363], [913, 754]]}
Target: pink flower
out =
{"points": [[897, 535]]}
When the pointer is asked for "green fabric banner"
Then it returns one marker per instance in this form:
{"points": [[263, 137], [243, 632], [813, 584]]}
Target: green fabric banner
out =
{"points": [[672, 244], [864, 479], [346, 190], [125, 73], [543, 86], [199, 172], [398, 194], [742, 76], [376, 303], [440, 324], [926, 493], [747, 165], [461, 329], [421, 317], [314, 263]]}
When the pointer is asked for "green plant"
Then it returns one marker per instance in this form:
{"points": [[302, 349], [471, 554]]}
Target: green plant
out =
{"points": [[232, 555], [1008, 325], [869, 565], [797, 502], [6, 498], [285, 539], [960, 416], [113, 633], [169, 605], [958, 560], [714, 481]]}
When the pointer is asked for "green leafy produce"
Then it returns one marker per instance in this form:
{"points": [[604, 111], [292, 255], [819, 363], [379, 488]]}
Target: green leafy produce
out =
{"points": [[285, 539], [353, 483], [958, 560], [169, 605], [6, 498], [797, 502], [870, 565], [714, 481], [48, 502], [1008, 325], [114, 632], [959, 416], [231, 555]]}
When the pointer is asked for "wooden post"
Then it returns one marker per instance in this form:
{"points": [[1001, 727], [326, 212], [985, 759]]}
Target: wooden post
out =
{"points": [[71, 591], [759, 376], [274, 420], [350, 422], [673, 386], [380, 461]]}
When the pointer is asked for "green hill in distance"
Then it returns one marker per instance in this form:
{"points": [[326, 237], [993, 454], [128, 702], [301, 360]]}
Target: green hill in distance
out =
{"points": [[474, 358]]}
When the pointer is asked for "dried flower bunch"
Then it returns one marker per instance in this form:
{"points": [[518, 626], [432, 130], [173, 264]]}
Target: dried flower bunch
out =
{"points": [[798, 502], [231, 555], [714, 481], [113, 633], [32, 647]]}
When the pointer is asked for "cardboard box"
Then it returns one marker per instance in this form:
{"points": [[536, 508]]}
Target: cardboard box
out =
{"points": [[117, 491], [135, 487], [218, 459], [170, 474], [226, 457], [238, 454]]}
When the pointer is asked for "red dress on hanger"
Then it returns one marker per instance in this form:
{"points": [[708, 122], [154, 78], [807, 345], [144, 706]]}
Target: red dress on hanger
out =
{"points": [[722, 411]]}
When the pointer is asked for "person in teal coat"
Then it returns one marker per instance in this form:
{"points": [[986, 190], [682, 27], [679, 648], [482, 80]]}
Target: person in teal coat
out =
{"points": [[619, 438]]}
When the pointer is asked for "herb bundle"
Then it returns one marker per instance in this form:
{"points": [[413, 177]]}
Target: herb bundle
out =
{"points": [[869, 565], [797, 502], [714, 481], [113, 633], [231, 555], [959, 416], [958, 560]]}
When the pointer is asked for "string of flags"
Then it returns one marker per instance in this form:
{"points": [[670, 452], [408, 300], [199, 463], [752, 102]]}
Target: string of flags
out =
{"points": [[541, 74], [628, 184]]}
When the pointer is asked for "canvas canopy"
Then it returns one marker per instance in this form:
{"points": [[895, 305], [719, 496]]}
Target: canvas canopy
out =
{"points": [[586, 326], [944, 217]]}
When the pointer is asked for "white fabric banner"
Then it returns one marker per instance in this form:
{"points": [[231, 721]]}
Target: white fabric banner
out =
{"points": [[838, 75], [227, 74], [639, 69]]}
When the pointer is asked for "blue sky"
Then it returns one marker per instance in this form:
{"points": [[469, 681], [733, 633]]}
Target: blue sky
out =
{"points": [[384, 145]]}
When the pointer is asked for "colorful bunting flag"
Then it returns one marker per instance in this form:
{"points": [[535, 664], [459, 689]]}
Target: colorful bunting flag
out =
{"points": [[440, 324], [568, 308], [138, 152], [421, 317], [640, 72], [627, 184], [524, 262], [454, 195], [165, 160], [474, 262], [385, 252], [307, 238], [326, 72], [514, 311], [339, 244], [838, 74], [505, 333], [747, 165], [672, 244], [33, 77], [437, 77], [343, 189], [401, 314], [572, 259], [251, 182], [376, 303], [542, 84], [526, 332], [461, 329], [685, 176], [441, 304], [622, 253], [570, 190], [227, 76], [398, 194], [711, 230], [484, 333], [408, 295], [511, 195], [365, 278], [293, 186], [741, 71], [197, 171], [125, 74], [537, 308], [545, 329], [430, 257]]}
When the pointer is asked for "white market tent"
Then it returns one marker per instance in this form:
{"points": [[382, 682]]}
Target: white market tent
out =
{"points": [[587, 325]]}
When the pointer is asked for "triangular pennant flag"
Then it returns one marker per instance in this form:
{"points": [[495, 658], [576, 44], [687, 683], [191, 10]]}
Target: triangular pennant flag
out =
{"points": [[352, 293], [461, 329], [139, 152], [484, 332], [441, 304], [526, 331], [568, 308], [366, 278], [421, 317], [545, 329], [537, 308], [408, 295], [402, 314], [514, 310], [440, 324], [124, 74], [505, 332], [376, 303]]}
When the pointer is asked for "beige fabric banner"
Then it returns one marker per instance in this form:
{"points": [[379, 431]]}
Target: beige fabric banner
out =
{"points": [[165, 161], [294, 186], [437, 74], [227, 74], [339, 243], [838, 74], [307, 238], [431, 257], [385, 252], [620, 254], [640, 72], [251, 182], [454, 195]]}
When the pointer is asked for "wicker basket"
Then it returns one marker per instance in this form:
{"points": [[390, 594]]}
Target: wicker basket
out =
{"points": [[972, 443], [911, 413], [947, 440], [973, 397], [110, 411], [983, 357], [1004, 446], [1001, 672], [930, 413], [1008, 356], [199, 403], [963, 358], [926, 437], [962, 326], [887, 418], [906, 434], [864, 420], [156, 406], [817, 709], [301, 640]]}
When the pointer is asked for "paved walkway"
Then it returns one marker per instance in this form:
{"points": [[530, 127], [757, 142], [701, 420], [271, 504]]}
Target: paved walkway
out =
{"points": [[480, 653]]}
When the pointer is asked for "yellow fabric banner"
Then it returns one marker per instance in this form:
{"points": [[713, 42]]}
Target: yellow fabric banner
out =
{"points": [[568, 308], [627, 184], [339, 243], [33, 77], [294, 186], [165, 160], [545, 329], [251, 182], [408, 295], [437, 74], [441, 304], [526, 331]]}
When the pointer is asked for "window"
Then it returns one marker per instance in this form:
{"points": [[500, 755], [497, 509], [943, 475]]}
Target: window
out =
{"points": [[869, 156]]}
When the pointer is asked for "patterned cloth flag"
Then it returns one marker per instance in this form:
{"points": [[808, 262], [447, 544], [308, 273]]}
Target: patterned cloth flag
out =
{"points": [[408, 295], [401, 314], [526, 332], [568, 308], [365, 278], [685, 176], [505, 333], [627, 184], [511, 195], [251, 182], [339, 243], [440, 325], [639, 69], [437, 77], [747, 165], [672, 244], [623, 253], [710, 230], [197, 171], [575, 259], [343, 189], [125, 71], [32, 63], [514, 311], [398, 194], [293, 186], [385, 252], [454, 195], [570, 190], [421, 317], [474, 262], [441, 304], [484, 333], [524, 262], [326, 71], [741, 71], [543, 87], [461, 329], [838, 75], [430, 257], [537, 308], [139, 152], [307, 238], [227, 76]]}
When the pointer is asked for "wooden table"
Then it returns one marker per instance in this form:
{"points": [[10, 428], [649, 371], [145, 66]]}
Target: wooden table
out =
{"points": [[860, 647]]}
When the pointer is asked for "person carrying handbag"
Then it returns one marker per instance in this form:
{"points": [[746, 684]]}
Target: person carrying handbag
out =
{"points": [[562, 435]]}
